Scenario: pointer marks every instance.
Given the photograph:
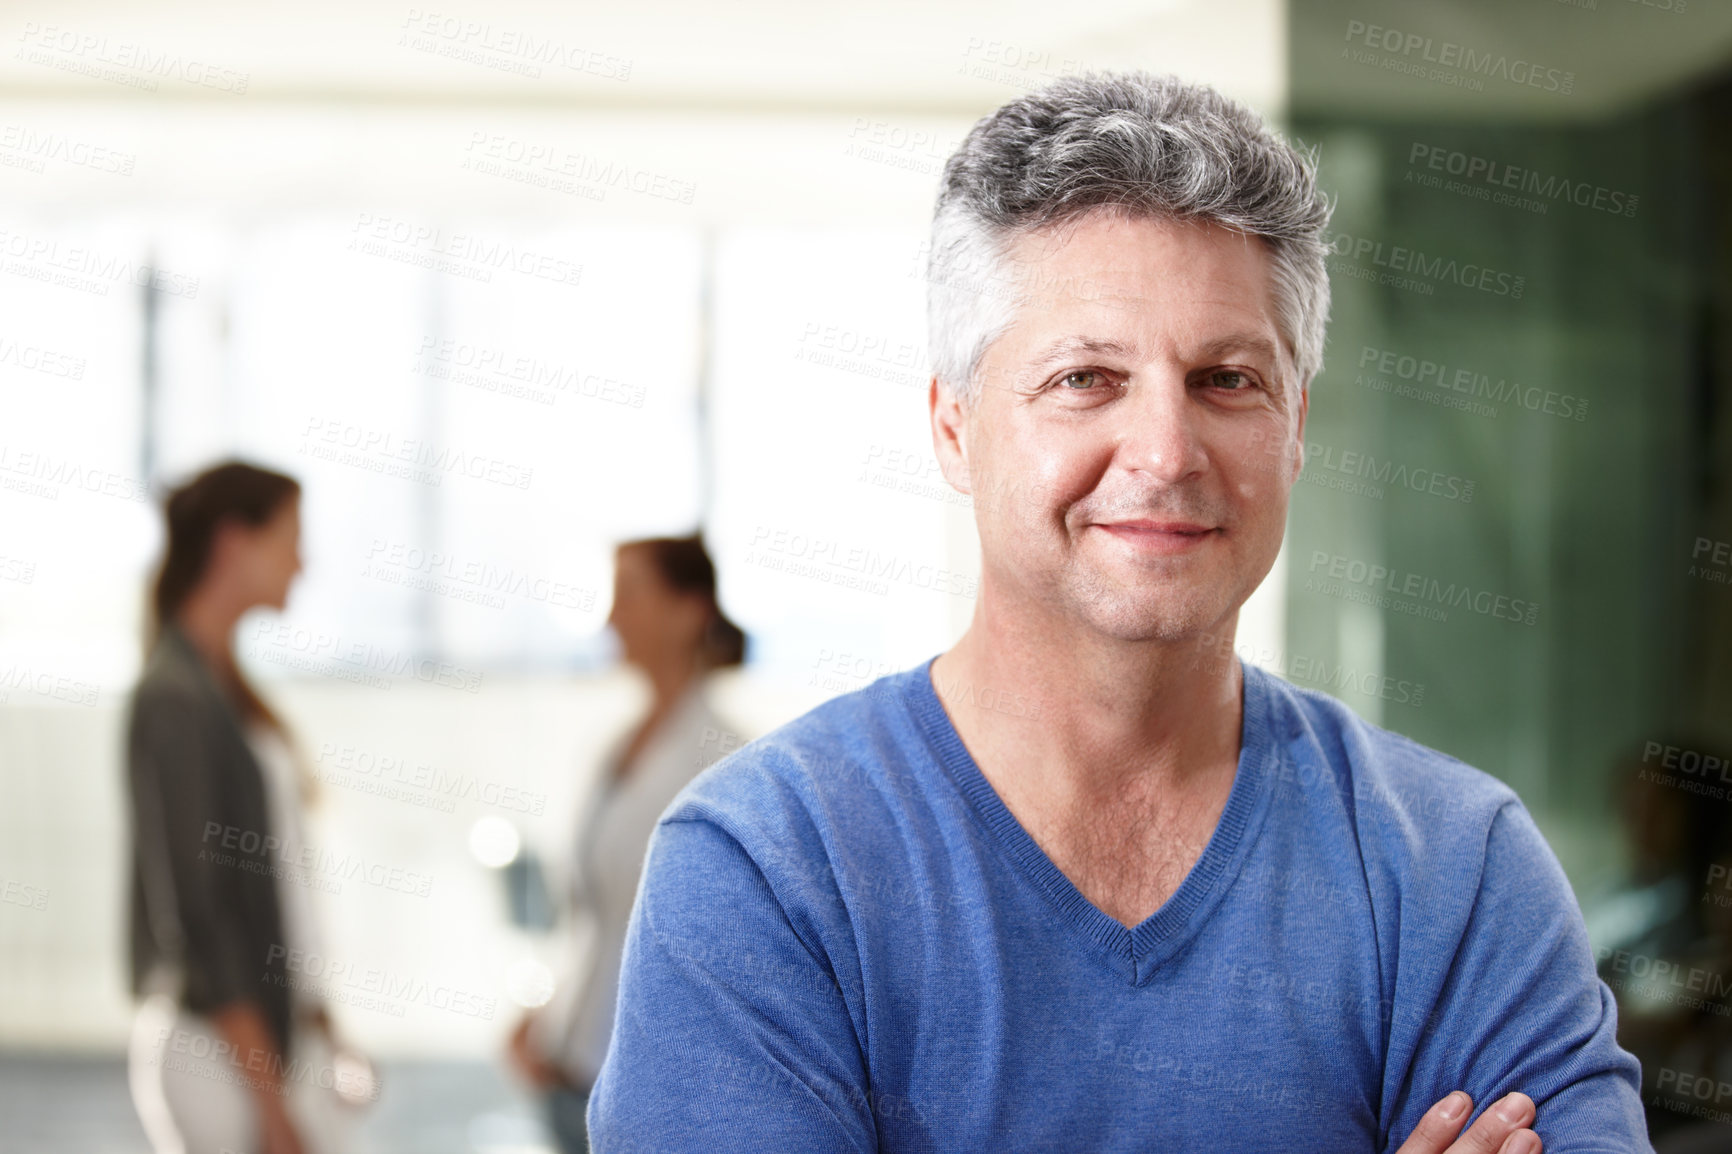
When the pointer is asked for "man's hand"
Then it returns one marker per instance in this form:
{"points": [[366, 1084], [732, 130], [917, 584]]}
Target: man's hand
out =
{"points": [[1500, 1130]]}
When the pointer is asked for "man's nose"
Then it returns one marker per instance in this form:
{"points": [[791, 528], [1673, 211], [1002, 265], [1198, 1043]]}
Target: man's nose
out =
{"points": [[1162, 436]]}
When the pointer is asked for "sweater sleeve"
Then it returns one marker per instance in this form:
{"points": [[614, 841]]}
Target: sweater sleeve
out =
{"points": [[1520, 1007], [732, 1033]]}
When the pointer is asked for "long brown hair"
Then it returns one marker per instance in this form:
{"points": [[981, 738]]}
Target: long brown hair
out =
{"points": [[229, 492], [685, 565]]}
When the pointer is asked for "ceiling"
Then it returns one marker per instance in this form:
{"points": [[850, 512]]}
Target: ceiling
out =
{"points": [[919, 56]]}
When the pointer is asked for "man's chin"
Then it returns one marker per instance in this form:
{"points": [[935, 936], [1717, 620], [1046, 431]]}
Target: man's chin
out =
{"points": [[1161, 620]]}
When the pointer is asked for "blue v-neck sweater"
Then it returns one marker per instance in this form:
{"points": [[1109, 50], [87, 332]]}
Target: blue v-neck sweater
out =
{"points": [[843, 941]]}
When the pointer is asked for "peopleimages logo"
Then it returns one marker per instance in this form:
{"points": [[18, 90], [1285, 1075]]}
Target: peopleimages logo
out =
{"points": [[44, 259], [1362, 471], [1418, 50], [54, 472], [331, 654], [323, 869], [118, 60], [1437, 158], [1471, 383], [1684, 1085], [410, 457], [1409, 592], [850, 566], [39, 147], [1413, 263], [550, 165], [504, 49], [1315, 670], [374, 987]]}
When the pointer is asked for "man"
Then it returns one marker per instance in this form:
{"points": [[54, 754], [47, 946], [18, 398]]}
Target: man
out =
{"points": [[1168, 902]]}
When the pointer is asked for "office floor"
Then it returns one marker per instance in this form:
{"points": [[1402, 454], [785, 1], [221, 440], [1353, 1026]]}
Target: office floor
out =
{"points": [[51, 1104]]}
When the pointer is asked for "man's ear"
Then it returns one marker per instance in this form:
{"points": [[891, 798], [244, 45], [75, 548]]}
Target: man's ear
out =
{"points": [[949, 435]]}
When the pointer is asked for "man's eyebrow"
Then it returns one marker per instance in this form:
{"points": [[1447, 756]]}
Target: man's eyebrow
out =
{"points": [[1256, 344], [1068, 347]]}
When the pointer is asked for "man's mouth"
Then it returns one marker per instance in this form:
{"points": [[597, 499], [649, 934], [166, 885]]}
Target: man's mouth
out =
{"points": [[1163, 537]]}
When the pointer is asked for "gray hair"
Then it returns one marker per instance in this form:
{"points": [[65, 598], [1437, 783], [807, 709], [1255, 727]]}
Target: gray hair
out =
{"points": [[1150, 146]]}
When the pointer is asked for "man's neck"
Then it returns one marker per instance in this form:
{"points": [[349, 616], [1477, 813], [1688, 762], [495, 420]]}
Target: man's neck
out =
{"points": [[1118, 760], [1101, 716]]}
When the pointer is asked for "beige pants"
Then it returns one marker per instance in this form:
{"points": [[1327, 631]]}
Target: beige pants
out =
{"points": [[194, 1097]]}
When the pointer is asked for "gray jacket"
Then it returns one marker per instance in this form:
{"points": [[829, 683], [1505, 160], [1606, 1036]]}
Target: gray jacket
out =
{"points": [[204, 858]]}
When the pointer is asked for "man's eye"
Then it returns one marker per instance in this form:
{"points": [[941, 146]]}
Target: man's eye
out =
{"points": [[1231, 379], [1081, 381]]}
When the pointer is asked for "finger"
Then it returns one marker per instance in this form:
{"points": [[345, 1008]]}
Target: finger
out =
{"points": [[1439, 1126], [1494, 1127], [1522, 1142]]}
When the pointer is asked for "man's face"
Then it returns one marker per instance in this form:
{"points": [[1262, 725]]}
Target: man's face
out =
{"points": [[1137, 430]]}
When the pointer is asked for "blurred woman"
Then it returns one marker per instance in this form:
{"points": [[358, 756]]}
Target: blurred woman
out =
{"points": [[670, 629], [220, 1058]]}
